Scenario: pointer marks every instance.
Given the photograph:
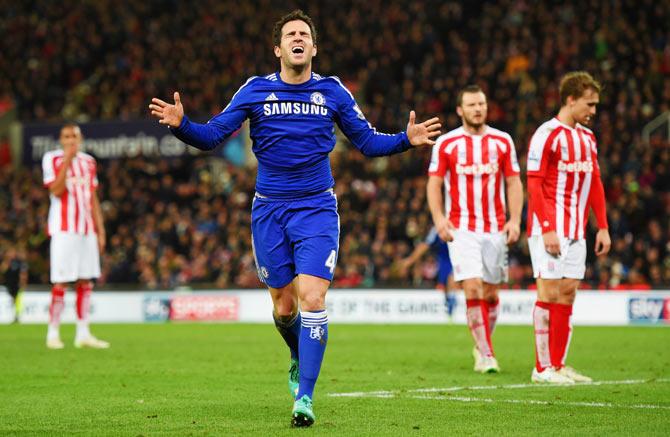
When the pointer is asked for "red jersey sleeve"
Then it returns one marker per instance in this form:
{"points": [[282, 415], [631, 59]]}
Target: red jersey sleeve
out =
{"points": [[597, 193], [538, 206]]}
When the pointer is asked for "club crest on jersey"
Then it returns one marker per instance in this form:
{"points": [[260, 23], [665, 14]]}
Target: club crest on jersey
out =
{"points": [[317, 98]]}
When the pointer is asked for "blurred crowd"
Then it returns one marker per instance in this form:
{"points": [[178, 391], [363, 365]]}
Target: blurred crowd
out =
{"points": [[186, 221]]}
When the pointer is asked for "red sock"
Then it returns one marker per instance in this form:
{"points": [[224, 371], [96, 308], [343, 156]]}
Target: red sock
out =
{"points": [[84, 300], [478, 325], [561, 332], [57, 304], [492, 310], [541, 322]]}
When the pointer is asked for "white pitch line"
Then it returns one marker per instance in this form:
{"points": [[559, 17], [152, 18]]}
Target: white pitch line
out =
{"points": [[515, 386], [535, 402], [390, 394], [363, 394]]}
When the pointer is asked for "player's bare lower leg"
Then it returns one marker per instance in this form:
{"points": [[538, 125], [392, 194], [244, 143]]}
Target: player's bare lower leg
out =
{"points": [[478, 323], [491, 302], [313, 339], [83, 337], [55, 311], [287, 320]]}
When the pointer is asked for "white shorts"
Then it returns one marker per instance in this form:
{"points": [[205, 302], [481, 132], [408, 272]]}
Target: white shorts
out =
{"points": [[570, 264], [74, 257], [479, 255]]}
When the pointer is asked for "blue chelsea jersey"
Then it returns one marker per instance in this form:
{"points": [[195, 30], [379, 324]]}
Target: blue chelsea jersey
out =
{"points": [[292, 129]]}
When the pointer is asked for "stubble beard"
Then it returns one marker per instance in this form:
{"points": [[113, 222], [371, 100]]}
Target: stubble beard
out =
{"points": [[473, 125]]}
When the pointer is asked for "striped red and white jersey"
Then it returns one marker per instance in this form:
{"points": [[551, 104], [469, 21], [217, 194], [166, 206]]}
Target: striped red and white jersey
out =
{"points": [[567, 161], [72, 211], [474, 168]]}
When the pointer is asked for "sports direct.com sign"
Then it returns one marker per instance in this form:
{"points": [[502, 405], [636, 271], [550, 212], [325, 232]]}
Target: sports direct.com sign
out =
{"points": [[208, 308], [344, 306]]}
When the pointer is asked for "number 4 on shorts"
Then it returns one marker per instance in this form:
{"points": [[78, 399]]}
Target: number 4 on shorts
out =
{"points": [[332, 259]]}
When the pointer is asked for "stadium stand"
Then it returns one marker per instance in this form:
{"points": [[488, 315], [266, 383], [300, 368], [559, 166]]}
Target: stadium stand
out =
{"points": [[185, 221]]}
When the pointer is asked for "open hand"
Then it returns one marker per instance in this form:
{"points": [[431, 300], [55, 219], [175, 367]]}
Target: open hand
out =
{"points": [[422, 134], [166, 113]]}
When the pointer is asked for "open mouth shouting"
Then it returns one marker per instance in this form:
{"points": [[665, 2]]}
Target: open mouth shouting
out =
{"points": [[298, 50]]}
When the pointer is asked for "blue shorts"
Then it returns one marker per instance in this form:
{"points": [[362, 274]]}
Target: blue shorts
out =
{"points": [[293, 236]]}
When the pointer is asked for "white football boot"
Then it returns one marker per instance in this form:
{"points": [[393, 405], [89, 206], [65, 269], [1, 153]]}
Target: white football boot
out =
{"points": [[478, 360], [550, 376], [573, 374], [92, 342], [490, 365], [55, 343]]}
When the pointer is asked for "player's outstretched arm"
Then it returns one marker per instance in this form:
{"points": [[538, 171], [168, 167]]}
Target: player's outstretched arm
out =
{"points": [[416, 254], [166, 113], [422, 134], [202, 136]]}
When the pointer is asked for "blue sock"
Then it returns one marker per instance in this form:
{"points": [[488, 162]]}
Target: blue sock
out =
{"points": [[451, 302], [289, 328], [313, 339]]}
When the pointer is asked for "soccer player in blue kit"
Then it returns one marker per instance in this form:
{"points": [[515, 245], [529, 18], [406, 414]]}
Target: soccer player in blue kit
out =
{"points": [[294, 219], [445, 279]]}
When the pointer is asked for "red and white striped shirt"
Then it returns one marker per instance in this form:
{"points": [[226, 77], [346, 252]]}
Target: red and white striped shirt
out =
{"points": [[72, 211], [473, 167], [567, 161]]}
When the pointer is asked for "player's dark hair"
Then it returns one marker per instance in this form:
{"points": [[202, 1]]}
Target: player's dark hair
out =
{"points": [[295, 15], [468, 89], [71, 124], [575, 83]]}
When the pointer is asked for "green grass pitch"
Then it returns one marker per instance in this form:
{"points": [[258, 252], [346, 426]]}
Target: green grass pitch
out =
{"points": [[230, 379]]}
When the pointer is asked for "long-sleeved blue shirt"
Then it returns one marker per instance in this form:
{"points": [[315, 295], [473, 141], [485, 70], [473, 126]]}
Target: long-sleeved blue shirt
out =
{"points": [[293, 132]]}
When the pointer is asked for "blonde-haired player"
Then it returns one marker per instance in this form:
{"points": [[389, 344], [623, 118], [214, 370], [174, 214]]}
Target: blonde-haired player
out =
{"points": [[563, 184]]}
